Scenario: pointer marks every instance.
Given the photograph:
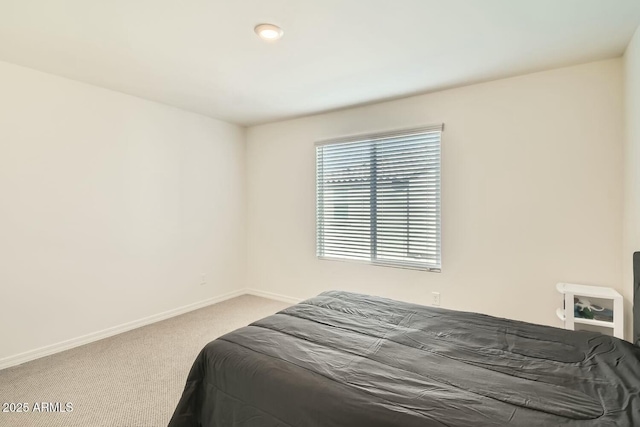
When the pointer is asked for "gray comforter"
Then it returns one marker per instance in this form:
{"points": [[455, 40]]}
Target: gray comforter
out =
{"points": [[344, 359]]}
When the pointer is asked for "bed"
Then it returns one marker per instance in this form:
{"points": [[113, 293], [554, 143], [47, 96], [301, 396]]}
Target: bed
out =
{"points": [[345, 359]]}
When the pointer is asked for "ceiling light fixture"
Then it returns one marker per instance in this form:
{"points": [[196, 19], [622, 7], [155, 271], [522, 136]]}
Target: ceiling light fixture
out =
{"points": [[268, 32]]}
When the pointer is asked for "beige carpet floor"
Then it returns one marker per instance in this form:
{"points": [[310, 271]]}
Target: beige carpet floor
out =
{"points": [[133, 379]]}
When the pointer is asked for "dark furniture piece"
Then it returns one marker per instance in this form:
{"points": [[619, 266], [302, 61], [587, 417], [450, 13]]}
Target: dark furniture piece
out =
{"points": [[344, 359], [636, 298]]}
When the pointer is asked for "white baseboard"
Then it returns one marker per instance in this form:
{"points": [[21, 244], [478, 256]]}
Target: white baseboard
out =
{"points": [[105, 333], [271, 295]]}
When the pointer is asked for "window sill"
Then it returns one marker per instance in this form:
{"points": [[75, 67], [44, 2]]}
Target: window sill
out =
{"points": [[384, 264]]}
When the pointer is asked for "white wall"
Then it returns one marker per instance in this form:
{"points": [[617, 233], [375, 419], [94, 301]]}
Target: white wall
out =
{"points": [[531, 194], [111, 207], [631, 234]]}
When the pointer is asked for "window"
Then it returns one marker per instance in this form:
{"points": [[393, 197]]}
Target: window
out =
{"points": [[378, 199]]}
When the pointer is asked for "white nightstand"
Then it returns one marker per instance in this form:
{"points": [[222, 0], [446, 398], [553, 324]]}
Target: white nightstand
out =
{"points": [[567, 316]]}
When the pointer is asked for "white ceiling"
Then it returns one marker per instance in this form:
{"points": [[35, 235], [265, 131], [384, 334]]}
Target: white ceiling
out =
{"points": [[202, 55]]}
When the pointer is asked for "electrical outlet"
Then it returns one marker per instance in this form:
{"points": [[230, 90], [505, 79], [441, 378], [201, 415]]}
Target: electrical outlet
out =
{"points": [[203, 279], [435, 298]]}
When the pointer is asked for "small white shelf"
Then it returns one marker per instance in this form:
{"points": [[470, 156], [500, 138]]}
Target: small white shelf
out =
{"points": [[594, 322], [604, 324], [570, 290], [588, 291]]}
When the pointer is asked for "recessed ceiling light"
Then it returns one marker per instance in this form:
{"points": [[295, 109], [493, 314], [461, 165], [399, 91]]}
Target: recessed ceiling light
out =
{"points": [[268, 32]]}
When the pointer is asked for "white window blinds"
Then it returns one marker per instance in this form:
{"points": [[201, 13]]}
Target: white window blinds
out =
{"points": [[378, 198]]}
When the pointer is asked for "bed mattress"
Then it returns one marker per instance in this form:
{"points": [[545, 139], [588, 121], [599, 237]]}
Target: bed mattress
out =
{"points": [[344, 359]]}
